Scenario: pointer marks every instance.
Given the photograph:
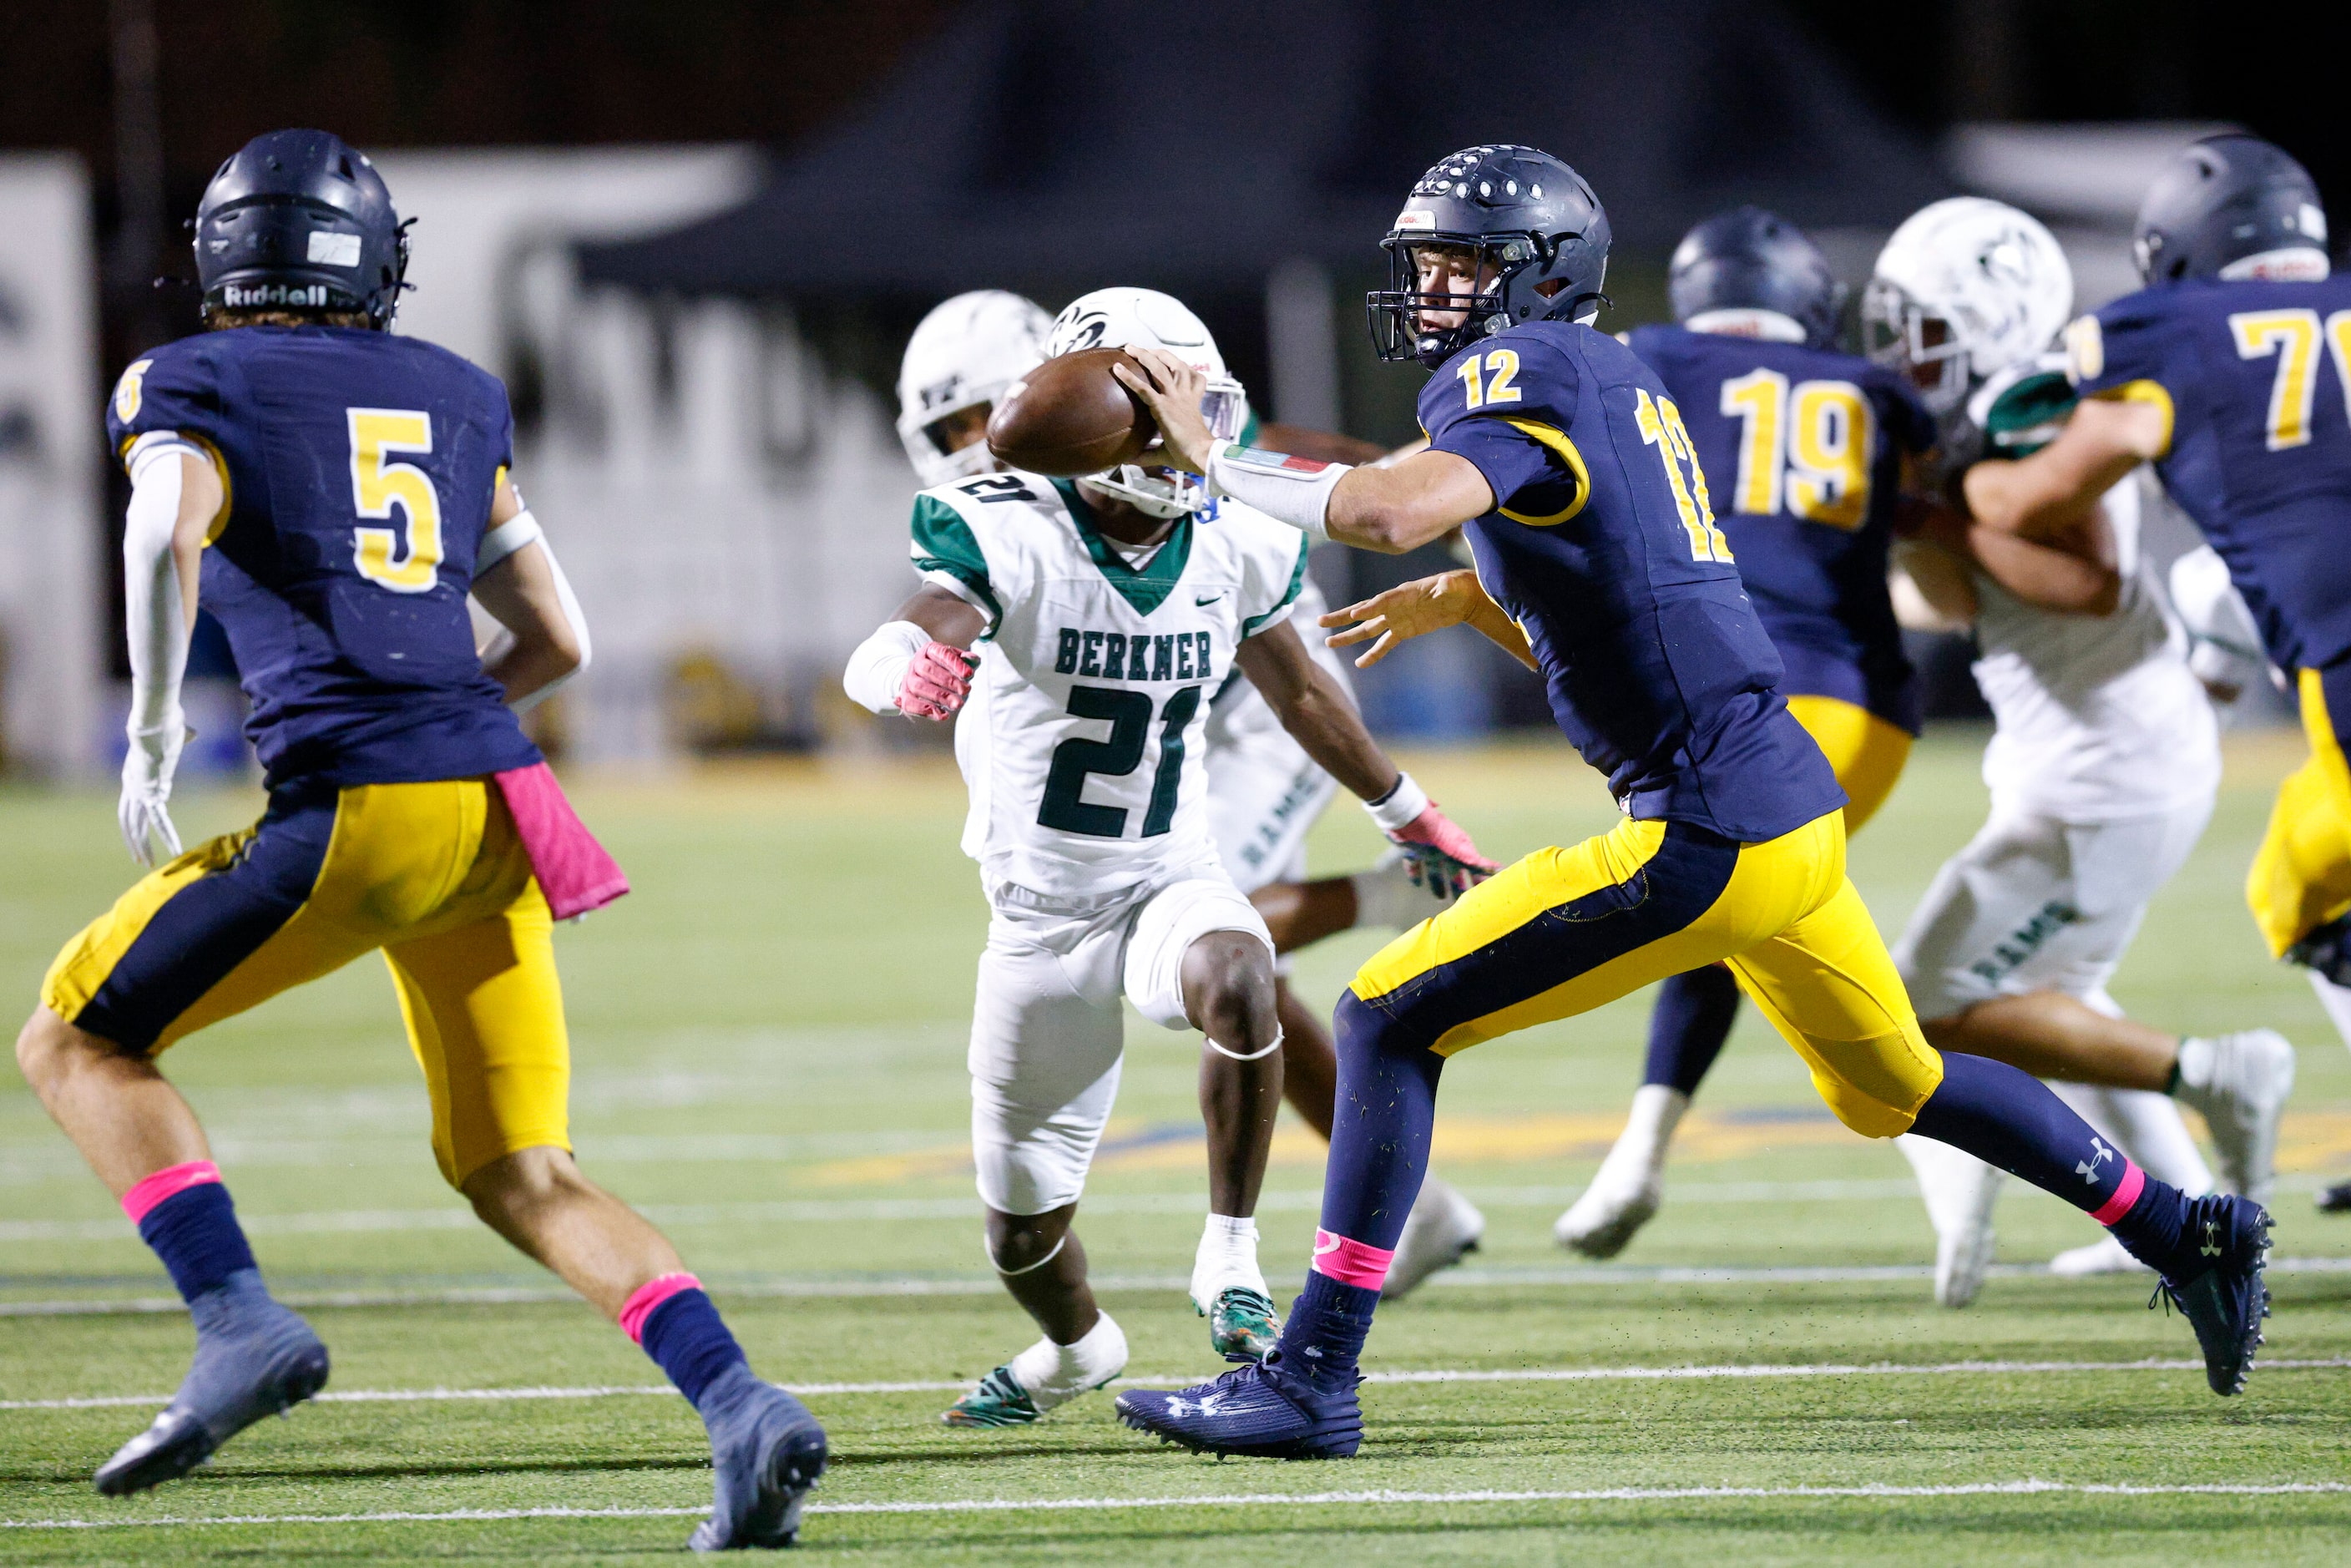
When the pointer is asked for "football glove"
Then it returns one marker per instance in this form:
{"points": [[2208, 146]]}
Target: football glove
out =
{"points": [[937, 683], [147, 769], [1444, 857]]}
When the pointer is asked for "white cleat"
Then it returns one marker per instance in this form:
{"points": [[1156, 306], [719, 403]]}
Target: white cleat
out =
{"points": [[1960, 1191], [2240, 1092], [1442, 1227], [2104, 1256], [1631, 1182]]}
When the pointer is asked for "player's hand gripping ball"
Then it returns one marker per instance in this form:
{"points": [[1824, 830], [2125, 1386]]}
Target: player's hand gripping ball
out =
{"points": [[937, 682], [1069, 416]]}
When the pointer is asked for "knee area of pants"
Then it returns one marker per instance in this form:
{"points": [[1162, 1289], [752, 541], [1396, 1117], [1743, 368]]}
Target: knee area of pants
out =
{"points": [[1024, 1241]]}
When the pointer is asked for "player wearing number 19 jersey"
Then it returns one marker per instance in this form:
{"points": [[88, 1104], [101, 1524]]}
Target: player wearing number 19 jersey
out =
{"points": [[1805, 447], [1600, 562], [346, 490]]}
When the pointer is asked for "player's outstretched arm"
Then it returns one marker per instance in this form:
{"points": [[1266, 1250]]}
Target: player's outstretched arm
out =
{"points": [[2053, 492], [517, 580], [918, 662], [1416, 609], [1392, 509], [176, 494], [1317, 713]]}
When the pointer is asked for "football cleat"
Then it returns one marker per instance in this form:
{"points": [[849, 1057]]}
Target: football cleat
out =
{"points": [[1609, 1214], [2104, 1256], [2219, 1288], [766, 1451], [2327, 950], [998, 1401], [1442, 1228], [1261, 1409], [2335, 1200], [2242, 1103], [254, 1358], [1242, 1325]]}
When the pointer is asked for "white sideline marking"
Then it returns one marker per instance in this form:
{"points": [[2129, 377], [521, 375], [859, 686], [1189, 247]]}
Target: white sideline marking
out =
{"points": [[1441, 1375], [919, 1285], [2029, 1486]]}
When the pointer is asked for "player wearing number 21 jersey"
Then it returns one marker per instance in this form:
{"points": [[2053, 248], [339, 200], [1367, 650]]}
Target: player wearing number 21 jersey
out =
{"points": [[1105, 614]]}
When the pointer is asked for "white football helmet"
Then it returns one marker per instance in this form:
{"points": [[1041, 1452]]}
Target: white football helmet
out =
{"points": [[1966, 287], [965, 353], [1145, 318]]}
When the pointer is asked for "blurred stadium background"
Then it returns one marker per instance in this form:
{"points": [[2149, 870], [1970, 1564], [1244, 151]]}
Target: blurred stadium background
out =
{"points": [[693, 238]]}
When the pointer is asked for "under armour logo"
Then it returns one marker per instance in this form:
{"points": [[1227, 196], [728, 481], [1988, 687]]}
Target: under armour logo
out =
{"points": [[2211, 1247], [1325, 1244], [2099, 1153]]}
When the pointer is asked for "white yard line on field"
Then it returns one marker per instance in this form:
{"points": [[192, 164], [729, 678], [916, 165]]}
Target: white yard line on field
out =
{"points": [[1437, 1374], [2029, 1486]]}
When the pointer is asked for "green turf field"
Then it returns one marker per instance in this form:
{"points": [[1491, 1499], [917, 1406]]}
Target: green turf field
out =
{"points": [[770, 1045]]}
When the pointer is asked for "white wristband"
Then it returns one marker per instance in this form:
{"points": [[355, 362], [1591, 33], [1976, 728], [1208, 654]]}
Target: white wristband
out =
{"points": [[1294, 490], [1399, 808], [878, 668]]}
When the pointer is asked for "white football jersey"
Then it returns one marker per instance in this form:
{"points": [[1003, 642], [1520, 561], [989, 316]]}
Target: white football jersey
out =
{"points": [[1082, 742]]}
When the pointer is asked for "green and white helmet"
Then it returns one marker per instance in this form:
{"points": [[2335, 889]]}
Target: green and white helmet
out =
{"points": [[1964, 289]]}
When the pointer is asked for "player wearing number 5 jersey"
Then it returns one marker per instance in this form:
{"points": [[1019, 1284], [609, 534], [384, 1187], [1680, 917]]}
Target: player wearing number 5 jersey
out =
{"points": [[338, 492], [1805, 447], [1106, 612], [2230, 372], [1600, 562]]}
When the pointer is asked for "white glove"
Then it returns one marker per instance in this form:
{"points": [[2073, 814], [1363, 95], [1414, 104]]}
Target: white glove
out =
{"points": [[147, 771]]}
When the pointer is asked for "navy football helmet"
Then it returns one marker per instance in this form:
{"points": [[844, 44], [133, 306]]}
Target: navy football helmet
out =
{"points": [[1748, 259], [2222, 199], [1530, 220], [298, 221]]}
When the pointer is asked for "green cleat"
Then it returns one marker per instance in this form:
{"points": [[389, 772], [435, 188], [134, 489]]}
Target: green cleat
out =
{"points": [[1242, 1325], [998, 1401]]}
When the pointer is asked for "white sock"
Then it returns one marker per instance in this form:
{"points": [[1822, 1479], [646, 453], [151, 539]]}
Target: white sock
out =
{"points": [[1054, 1373], [1639, 1152], [1386, 896], [2337, 1000], [1227, 1259], [2196, 1060]]}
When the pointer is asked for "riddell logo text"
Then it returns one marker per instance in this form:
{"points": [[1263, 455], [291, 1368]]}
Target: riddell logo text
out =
{"points": [[1115, 655], [235, 296]]}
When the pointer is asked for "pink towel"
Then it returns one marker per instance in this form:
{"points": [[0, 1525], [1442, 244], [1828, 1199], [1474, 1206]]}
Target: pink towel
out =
{"points": [[574, 871]]}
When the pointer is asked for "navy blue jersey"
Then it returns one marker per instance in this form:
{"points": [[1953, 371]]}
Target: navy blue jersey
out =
{"points": [[1805, 448], [359, 468], [1603, 545], [2252, 379]]}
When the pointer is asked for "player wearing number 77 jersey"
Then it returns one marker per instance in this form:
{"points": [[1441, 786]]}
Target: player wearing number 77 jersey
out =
{"points": [[1106, 612], [1599, 565], [338, 492]]}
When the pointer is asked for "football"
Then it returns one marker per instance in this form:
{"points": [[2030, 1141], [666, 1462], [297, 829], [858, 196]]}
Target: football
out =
{"points": [[1071, 417]]}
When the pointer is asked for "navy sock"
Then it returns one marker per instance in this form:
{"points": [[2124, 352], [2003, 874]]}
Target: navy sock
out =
{"points": [[1324, 1335], [1690, 1025], [195, 1233], [685, 1335], [2010, 1119], [1380, 1129]]}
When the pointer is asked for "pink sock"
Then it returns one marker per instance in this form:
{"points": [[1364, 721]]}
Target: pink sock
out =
{"points": [[648, 1295], [169, 1182]]}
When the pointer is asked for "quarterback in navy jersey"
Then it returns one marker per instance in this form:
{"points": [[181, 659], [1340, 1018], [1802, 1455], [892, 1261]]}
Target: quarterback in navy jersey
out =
{"points": [[333, 494], [2230, 372], [1807, 447], [1602, 564]]}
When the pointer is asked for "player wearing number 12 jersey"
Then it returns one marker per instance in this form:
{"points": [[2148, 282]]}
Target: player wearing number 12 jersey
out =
{"points": [[1807, 448], [1601, 565], [344, 491], [1106, 612]]}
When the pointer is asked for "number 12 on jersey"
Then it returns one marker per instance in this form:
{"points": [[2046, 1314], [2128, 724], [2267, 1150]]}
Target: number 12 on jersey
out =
{"points": [[1661, 426]]}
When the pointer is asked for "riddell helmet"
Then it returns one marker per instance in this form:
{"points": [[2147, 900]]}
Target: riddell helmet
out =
{"points": [[1145, 318], [963, 356], [299, 221], [1966, 287], [2227, 200], [1529, 218], [1746, 262]]}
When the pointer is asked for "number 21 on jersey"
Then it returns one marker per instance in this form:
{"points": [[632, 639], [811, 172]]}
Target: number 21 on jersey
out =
{"points": [[406, 559], [1661, 426]]}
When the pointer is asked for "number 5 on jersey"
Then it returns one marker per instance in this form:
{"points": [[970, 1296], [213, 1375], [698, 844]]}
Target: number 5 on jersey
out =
{"points": [[405, 559]]}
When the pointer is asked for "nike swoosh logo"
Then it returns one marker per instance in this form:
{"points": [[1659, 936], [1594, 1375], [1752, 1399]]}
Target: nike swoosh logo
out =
{"points": [[1211, 600]]}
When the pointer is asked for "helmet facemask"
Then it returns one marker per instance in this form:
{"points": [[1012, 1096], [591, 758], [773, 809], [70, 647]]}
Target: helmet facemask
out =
{"points": [[1172, 492], [1902, 334]]}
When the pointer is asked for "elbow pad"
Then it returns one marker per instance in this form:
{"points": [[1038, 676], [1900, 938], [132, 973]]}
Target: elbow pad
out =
{"points": [[151, 581]]}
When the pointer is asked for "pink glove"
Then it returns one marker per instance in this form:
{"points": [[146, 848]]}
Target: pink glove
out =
{"points": [[937, 682], [1442, 853]]}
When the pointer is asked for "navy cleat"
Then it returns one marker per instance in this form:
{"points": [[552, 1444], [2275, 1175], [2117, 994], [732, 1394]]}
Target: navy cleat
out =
{"points": [[2218, 1287], [254, 1358], [1261, 1408], [766, 1451]]}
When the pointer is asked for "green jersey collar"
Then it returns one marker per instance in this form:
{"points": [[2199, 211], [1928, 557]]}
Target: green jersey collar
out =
{"points": [[1146, 589]]}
